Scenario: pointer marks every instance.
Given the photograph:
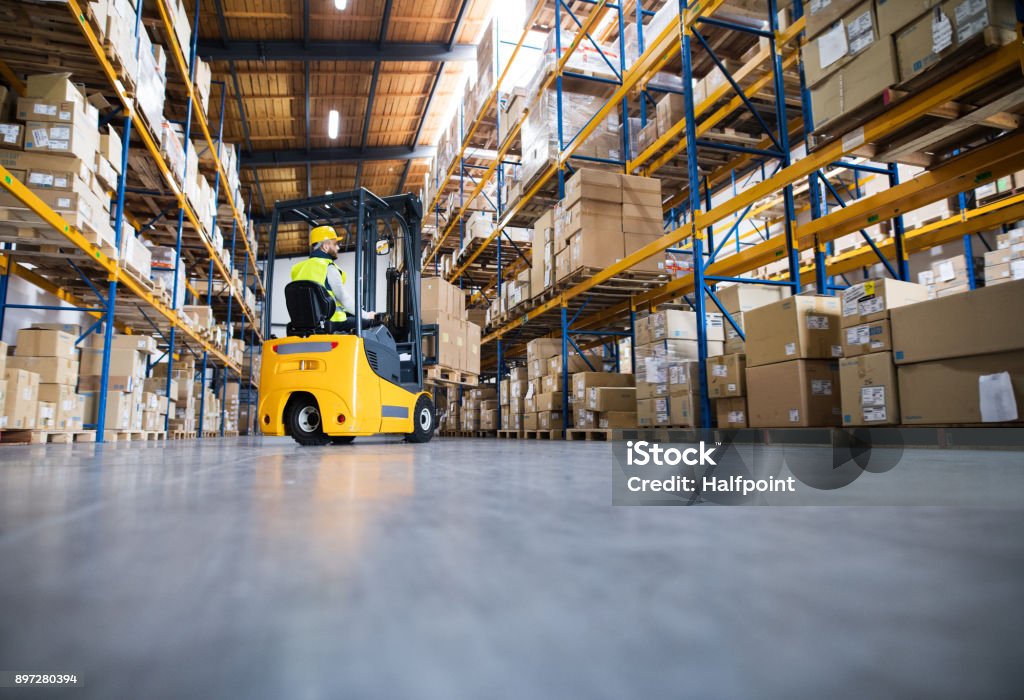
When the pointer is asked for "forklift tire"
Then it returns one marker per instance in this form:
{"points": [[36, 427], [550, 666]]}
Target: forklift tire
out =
{"points": [[343, 439], [423, 421], [302, 417]]}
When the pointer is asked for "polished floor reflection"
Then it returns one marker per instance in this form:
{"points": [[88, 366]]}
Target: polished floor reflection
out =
{"points": [[484, 568]]}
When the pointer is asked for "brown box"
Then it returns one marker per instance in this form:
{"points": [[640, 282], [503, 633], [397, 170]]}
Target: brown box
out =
{"points": [[920, 46], [617, 419], [64, 400], [12, 136], [530, 421], [543, 348], [633, 242], [46, 414], [435, 299], [21, 397], [123, 362], [738, 298], [595, 249], [869, 391], [677, 324], [976, 323], [576, 363], [489, 420], [866, 338], [563, 263], [798, 393], [804, 327], [549, 420], [684, 410], [963, 390], [592, 217], [856, 84], [648, 415], [871, 300], [592, 184], [582, 382], [472, 348], [120, 407], [683, 377], [34, 342], [142, 343], [550, 401], [822, 15], [671, 109], [541, 229], [727, 376], [894, 15], [734, 343], [51, 370], [731, 413], [840, 43], [603, 398], [552, 382]]}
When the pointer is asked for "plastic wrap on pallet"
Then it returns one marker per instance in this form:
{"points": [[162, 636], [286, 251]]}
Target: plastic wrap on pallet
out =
{"points": [[586, 58]]}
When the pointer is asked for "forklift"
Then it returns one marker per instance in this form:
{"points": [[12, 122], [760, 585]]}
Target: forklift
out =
{"points": [[322, 385]]}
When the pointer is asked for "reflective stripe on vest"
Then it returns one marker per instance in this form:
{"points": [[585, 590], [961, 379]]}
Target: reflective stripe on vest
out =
{"points": [[315, 270]]}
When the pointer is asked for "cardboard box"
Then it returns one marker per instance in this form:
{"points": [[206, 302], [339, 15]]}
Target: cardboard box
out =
{"points": [[871, 300], [647, 414], [65, 138], [683, 377], [552, 382], [739, 298], [118, 415], [964, 390], [542, 228], [35, 342], [822, 15], [64, 400], [671, 110], [592, 184], [550, 401], [943, 29], [731, 413], [12, 136], [894, 15], [563, 264], [46, 414], [834, 48], [726, 376], [145, 344], [684, 410], [543, 348], [604, 399], [869, 390], [123, 362], [734, 343], [798, 393], [576, 363], [867, 338], [856, 84], [3, 357], [975, 323], [51, 370], [803, 327], [582, 382], [595, 249], [21, 397], [549, 420], [617, 419], [677, 324], [530, 421]]}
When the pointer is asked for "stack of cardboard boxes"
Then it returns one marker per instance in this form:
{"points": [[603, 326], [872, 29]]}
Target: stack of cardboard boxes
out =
{"points": [[457, 345], [857, 49], [960, 359], [126, 400], [209, 402], [49, 352], [544, 397], [792, 348], [182, 409], [56, 149], [20, 390], [1006, 262], [867, 374], [667, 383], [604, 400], [513, 398], [951, 276], [479, 409]]}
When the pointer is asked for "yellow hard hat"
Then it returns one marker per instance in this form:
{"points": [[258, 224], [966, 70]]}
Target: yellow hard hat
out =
{"points": [[323, 233]]}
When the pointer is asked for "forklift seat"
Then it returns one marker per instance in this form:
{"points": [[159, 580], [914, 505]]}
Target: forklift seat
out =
{"points": [[310, 308]]}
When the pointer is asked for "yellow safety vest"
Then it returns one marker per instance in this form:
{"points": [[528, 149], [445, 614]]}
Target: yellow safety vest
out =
{"points": [[315, 270]]}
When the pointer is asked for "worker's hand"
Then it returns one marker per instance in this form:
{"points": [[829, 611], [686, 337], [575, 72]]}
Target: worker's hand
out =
{"points": [[383, 319]]}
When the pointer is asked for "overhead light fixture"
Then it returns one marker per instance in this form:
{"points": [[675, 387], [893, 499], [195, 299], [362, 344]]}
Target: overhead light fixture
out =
{"points": [[341, 5], [332, 123], [328, 193]]}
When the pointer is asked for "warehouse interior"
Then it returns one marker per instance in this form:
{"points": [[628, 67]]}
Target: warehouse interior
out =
{"points": [[363, 347]]}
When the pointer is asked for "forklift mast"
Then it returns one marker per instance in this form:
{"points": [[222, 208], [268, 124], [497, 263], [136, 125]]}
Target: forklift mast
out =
{"points": [[369, 221]]}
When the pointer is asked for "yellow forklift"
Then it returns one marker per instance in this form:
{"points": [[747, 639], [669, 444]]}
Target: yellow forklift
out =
{"points": [[325, 383]]}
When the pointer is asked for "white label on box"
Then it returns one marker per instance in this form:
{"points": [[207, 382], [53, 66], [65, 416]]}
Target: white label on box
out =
{"points": [[817, 323], [60, 182], [819, 5], [731, 387], [736, 417], [850, 298], [872, 396], [947, 272], [837, 351], [942, 31], [58, 145], [874, 414], [40, 179], [794, 415], [872, 305], [821, 387], [63, 202], [60, 132], [26, 394], [40, 138], [1017, 269], [10, 132], [719, 370], [877, 344], [971, 19], [832, 45], [48, 110], [996, 398], [790, 348], [857, 335], [860, 32]]}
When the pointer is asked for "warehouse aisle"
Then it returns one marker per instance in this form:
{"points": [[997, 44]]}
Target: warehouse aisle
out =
{"points": [[483, 568]]}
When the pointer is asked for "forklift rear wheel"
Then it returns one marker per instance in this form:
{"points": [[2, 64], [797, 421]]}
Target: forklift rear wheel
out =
{"points": [[343, 439], [423, 421], [304, 422]]}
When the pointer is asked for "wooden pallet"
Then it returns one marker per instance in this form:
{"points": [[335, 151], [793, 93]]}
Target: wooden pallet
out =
{"points": [[475, 433], [210, 433], [42, 437], [450, 377], [183, 435], [510, 434], [590, 434], [542, 434], [134, 435]]}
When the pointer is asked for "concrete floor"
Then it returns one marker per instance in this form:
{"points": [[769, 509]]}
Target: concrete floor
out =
{"points": [[484, 568]]}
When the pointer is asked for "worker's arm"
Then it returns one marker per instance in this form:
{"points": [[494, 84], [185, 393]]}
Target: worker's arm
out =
{"points": [[348, 304]]}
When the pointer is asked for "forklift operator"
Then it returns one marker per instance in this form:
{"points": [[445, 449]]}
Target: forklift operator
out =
{"points": [[320, 268]]}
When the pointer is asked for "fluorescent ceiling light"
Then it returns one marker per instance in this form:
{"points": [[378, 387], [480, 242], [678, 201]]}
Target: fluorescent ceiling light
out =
{"points": [[332, 123], [328, 193], [341, 5]]}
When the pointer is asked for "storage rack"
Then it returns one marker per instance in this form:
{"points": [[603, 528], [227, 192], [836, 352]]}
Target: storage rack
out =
{"points": [[72, 268], [695, 212]]}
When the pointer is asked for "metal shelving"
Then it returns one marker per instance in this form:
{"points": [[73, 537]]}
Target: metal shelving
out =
{"points": [[76, 271], [696, 207]]}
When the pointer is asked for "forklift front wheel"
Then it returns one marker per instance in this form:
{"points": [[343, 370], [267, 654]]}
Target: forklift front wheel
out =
{"points": [[423, 421], [304, 422]]}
